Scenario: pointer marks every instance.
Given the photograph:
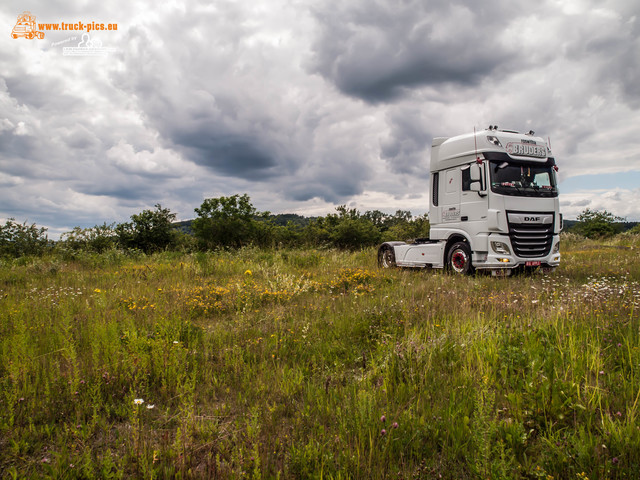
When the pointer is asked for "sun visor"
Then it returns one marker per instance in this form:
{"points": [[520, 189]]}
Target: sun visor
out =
{"points": [[505, 157]]}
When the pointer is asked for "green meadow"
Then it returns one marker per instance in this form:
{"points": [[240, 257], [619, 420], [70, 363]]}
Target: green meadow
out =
{"points": [[301, 363]]}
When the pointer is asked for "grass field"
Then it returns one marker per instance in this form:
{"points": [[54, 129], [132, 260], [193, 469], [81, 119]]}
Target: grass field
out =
{"points": [[315, 364]]}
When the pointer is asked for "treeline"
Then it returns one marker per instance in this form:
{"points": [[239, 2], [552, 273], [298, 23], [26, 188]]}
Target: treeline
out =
{"points": [[602, 224], [224, 222], [233, 222]]}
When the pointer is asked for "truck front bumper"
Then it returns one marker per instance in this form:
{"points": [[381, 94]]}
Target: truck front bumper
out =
{"points": [[506, 259]]}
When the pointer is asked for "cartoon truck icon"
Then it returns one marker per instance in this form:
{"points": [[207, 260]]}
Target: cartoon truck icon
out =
{"points": [[26, 27]]}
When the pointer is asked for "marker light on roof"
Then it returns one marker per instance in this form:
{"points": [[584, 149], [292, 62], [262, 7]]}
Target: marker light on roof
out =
{"points": [[494, 140]]}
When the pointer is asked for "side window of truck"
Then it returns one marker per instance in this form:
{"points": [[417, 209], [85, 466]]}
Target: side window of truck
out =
{"points": [[434, 189], [466, 178]]}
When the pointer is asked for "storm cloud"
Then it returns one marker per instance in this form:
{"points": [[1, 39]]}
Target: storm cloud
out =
{"points": [[379, 50], [305, 105]]}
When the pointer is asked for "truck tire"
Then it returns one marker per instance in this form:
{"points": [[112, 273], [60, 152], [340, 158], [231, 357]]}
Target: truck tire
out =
{"points": [[459, 258], [386, 257]]}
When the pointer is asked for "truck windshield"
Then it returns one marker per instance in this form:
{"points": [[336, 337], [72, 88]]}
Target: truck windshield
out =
{"points": [[529, 180]]}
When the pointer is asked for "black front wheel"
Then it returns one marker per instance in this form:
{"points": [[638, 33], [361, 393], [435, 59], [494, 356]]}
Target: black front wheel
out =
{"points": [[459, 258], [386, 257]]}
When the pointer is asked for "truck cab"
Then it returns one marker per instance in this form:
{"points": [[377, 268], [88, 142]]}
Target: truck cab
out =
{"points": [[493, 206]]}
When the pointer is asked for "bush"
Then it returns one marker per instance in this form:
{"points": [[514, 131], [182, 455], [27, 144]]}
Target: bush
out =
{"points": [[20, 239], [148, 231], [346, 230], [355, 233], [596, 224], [634, 231], [96, 239], [227, 222], [408, 229], [270, 234]]}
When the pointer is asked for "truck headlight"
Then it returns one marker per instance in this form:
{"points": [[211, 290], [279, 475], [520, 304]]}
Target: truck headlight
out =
{"points": [[501, 247], [556, 248]]}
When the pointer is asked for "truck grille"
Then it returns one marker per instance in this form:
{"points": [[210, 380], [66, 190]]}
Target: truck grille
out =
{"points": [[531, 233]]}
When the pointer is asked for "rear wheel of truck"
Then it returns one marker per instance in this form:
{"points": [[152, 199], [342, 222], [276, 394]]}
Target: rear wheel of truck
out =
{"points": [[386, 257], [459, 258]]}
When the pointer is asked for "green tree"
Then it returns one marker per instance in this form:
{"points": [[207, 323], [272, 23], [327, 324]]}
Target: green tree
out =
{"points": [[385, 221], [347, 229], [226, 222], [149, 231], [597, 224], [94, 239], [19, 239], [318, 231], [408, 229]]}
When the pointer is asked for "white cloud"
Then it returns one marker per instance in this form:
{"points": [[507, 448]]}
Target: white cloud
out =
{"points": [[6, 124], [21, 129], [158, 162], [621, 202], [306, 105], [10, 180]]}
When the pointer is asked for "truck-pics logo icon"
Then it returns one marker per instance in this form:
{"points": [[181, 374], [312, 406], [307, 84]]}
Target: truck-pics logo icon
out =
{"points": [[26, 27]]}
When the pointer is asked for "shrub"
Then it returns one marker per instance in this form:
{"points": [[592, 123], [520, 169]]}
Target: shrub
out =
{"points": [[597, 224], [19, 239], [406, 229], [226, 222], [148, 231], [99, 238], [635, 230], [346, 230]]}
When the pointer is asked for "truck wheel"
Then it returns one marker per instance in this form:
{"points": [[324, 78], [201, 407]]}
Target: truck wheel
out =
{"points": [[386, 257], [459, 258]]}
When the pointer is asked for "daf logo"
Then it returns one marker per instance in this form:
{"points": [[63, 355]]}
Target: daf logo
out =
{"points": [[532, 217]]}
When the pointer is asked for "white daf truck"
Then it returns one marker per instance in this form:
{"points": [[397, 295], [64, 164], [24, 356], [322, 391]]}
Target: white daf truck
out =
{"points": [[493, 207]]}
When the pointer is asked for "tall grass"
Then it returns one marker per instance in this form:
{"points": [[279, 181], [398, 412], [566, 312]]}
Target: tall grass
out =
{"points": [[315, 364]]}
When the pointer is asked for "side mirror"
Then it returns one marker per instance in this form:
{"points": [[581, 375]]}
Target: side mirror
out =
{"points": [[475, 187], [475, 175], [474, 172]]}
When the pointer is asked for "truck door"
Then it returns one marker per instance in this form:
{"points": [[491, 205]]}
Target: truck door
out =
{"points": [[450, 206], [473, 205]]}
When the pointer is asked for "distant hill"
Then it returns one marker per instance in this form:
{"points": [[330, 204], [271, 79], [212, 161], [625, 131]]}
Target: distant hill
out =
{"points": [[184, 226], [284, 218], [624, 226], [628, 225]]}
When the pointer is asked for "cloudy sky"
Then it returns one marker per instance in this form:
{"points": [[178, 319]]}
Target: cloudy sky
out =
{"points": [[306, 104]]}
